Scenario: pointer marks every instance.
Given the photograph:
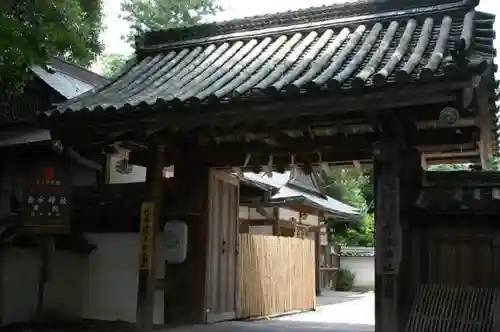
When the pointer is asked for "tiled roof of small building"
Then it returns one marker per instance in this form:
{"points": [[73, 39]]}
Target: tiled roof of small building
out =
{"points": [[68, 79], [336, 48], [357, 252], [285, 192]]}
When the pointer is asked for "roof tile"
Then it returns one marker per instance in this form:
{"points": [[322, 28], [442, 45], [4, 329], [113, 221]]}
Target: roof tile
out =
{"points": [[355, 53]]}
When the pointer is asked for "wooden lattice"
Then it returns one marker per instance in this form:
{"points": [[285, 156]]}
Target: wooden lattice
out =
{"points": [[446, 308]]}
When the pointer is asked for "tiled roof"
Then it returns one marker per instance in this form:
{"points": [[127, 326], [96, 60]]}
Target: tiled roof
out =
{"points": [[335, 48], [357, 252], [68, 79], [20, 135], [280, 181]]}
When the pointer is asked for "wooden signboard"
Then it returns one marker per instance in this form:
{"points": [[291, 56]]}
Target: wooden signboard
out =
{"points": [[46, 206], [387, 225], [147, 229]]}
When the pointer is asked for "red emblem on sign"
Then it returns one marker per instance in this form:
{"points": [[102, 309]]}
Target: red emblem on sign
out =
{"points": [[48, 173]]}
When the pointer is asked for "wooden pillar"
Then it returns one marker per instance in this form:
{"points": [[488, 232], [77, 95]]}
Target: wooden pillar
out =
{"points": [[317, 248], [276, 222], [150, 213], [184, 297], [397, 172]]}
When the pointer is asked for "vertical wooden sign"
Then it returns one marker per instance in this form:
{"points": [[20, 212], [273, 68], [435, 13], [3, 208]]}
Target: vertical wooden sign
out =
{"points": [[387, 224], [146, 236]]}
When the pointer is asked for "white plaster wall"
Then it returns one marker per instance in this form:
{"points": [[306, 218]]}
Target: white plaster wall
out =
{"points": [[363, 267], [260, 230], [19, 287], [100, 286], [311, 219], [138, 173], [111, 292], [288, 214], [251, 213], [243, 212]]}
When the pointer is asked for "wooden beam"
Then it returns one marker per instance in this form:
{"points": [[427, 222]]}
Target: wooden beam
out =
{"points": [[276, 222], [435, 123], [269, 222], [342, 142], [484, 121], [333, 149], [423, 162], [455, 160], [317, 121], [150, 215]]}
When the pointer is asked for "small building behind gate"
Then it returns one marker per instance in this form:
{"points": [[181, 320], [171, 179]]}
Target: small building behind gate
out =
{"points": [[282, 216]]}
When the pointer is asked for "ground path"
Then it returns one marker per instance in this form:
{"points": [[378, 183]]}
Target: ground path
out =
{"points": [[337, 312]]}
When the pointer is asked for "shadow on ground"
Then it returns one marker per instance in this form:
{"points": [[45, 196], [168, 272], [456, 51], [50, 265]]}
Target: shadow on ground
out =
{"points": [[233, 326], [333, 297], [275, 326], [337, 312]]}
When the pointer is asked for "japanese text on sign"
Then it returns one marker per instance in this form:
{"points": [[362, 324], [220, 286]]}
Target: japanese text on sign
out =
{"points": [[147, 229], [46, 206], [387, 226]]}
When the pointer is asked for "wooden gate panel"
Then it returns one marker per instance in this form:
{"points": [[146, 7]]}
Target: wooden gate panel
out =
{"points": [[461, 255], [221, 256]]}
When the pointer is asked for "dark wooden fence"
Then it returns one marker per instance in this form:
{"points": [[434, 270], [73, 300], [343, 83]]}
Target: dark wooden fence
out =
{"points": [[330, 263]]}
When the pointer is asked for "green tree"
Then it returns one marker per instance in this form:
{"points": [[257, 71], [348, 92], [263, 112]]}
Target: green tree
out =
{"points": [[31, 32], [164, 14], [114, 64], [450, 167], [355, 188], [493, 164]]}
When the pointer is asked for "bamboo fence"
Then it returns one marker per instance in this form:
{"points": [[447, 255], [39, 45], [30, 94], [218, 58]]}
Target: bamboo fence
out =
{"points": [[275, 275]]}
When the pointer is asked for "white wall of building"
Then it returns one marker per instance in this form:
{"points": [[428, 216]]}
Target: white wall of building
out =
{"points": [[260, 230], [112, 278], [64, 290], [102, 285], [283, 213], [252, 214], [361, 261], [289, 214]]}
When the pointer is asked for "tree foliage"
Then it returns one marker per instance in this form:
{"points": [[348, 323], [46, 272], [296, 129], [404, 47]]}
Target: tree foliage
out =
{"points": [[164, 14], [31, 32], [144, 15], [114, 64], [355, 188], [449, 167], [492, 164]]}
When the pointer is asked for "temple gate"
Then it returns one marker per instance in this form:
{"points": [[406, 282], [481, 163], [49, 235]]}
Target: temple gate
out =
{"points": [[396, 85]]}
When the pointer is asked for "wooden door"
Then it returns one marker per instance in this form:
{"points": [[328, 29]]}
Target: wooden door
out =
{"points": [[220, 290], [464, 260]]}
